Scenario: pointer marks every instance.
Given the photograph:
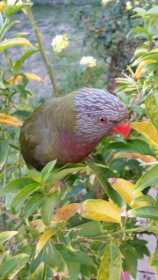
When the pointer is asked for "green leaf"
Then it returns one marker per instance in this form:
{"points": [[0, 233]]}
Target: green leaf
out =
{"points": [[77, 256], [38, 273], [151, 105], [53, 257], [154, 261], [44, 238], [15, 185], [33, 204], [130, 259], [35, 175], [49, 204], [4, 149], [74, 270], [12, 9], [111, 263], [19, 63], [135, 145], [23, 194], [102, 173], [6, 235], [148, 179], [15, 42], [47, 170], [10, 266], [145, 212], [59, 175], [90, 229]]}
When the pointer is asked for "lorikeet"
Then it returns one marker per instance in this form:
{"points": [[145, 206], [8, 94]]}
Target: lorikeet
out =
{"points": [[68, 128]]}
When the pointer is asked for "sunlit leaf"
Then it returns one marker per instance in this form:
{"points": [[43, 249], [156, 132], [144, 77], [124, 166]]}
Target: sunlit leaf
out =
{"points": [[111, 263], [15, 42], [126, 190], [10, 120], [141, 68], [45, 237], [33, 77], [142, 201], [101, 210], [147, 130], [2, 6]]}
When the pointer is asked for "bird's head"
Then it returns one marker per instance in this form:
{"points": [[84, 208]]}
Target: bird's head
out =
{"points": [[97, 113]]}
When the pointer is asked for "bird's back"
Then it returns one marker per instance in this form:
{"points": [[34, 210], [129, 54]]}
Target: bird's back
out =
{"points": [[39, 134]]}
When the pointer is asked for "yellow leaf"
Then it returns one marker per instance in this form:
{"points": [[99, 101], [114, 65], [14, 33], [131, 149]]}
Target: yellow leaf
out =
{"points": [[33, 77], [15, 42], [101, 210], [137, 156], [18, 79], [141, 68], [127, 191], [15, 80], [147, 130], [10, 120], [2, 6], [66, 212], [141, 201], [44, 239]]}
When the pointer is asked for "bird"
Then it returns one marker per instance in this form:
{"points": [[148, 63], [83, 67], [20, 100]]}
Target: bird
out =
{"points": [[69, 127]]}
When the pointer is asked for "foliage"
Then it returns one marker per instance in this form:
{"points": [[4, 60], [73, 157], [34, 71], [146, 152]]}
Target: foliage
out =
{"points": [[108, 31], [78, 220]]}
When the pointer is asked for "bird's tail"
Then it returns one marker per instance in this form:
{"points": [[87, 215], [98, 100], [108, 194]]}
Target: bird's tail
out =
{"points": [[9, 120]]}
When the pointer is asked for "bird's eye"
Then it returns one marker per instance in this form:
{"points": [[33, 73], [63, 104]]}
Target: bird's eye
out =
{"points": [[102, 119]]}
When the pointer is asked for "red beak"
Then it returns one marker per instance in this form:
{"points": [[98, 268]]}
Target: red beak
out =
{"points": [[123, 129]]}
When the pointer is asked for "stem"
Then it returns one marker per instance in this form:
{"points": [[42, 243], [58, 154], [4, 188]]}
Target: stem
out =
{"points": [[38, 35]]}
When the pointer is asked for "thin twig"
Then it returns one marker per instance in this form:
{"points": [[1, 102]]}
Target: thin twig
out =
{"points": [[38, 35]]}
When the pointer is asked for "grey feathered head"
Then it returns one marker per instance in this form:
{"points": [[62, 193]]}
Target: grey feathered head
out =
{"points": [[98, 111]]}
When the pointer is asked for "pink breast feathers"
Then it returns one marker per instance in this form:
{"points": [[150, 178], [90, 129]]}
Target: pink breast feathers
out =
{"points": [[72, 148]]}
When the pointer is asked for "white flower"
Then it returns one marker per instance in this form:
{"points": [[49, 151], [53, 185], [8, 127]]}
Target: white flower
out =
{"points": [[60, 42], [88, 61], [104, 2]]}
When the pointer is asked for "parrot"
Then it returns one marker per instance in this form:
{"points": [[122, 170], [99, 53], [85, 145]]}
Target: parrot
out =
{"points": [[69, 127]]}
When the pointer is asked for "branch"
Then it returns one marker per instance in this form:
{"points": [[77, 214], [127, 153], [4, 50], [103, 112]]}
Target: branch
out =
{"points": [[38, 35]]}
